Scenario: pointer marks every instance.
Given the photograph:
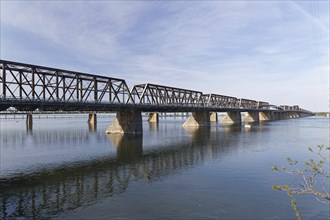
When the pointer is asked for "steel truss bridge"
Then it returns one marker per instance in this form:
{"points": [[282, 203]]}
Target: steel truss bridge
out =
{"points": [[29, 87]]}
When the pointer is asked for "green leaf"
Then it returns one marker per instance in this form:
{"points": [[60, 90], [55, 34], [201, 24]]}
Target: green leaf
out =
{"points": [[277, 187], [274, 168]]}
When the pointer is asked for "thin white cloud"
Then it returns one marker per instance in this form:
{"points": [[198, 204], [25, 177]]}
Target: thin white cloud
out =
{"points": [[92, 29], [319, 24], [223, 47]]}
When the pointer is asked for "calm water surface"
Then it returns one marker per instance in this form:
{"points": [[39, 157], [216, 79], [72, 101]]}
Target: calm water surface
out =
{"points": [[63, 169]]}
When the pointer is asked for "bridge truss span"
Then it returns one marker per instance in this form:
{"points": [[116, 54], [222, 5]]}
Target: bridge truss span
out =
{"points": [[49, 88], [220, 101], [29, 87], [151, 94]]}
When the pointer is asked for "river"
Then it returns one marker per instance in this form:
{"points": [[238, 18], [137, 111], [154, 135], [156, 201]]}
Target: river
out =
{"points": [[64, 169]]}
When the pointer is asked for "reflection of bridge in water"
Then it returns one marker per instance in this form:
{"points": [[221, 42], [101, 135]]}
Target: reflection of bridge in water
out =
{"points": [[47, 137], [48, 193]]}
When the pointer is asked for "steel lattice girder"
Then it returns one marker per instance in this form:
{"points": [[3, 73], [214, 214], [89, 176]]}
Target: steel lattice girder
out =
{"points": [[27, 87], [164, 95], [24, 81], [214, 100], [247, 103], [263, 105]]}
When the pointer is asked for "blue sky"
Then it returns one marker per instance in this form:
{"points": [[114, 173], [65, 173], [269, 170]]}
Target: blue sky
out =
{"points": [[275, 51]]}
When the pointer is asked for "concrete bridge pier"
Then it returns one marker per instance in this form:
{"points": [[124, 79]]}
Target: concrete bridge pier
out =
{"points": [[275, 116], [153, 117], [272, 116], [279, 116], [127, 121], [29, 121], [213, 117], [284, 115], [92, 118], [292, 115], [92, 121], [233, 117], [198, 119], [265, 116], [304, 114], [251, 117]]}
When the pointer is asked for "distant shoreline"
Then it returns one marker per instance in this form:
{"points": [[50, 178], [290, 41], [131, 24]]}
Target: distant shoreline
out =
{"points": [[326, 114]]}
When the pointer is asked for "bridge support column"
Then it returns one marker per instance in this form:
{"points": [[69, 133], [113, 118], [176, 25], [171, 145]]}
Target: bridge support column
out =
{"points": [[213, 117], [153, 117], [265, 116], [198, 119], [92, 122], [274, 116], [285, 115], [127, 121], [29, 121], [232, 118], [280, 116], [92, 118], [251, 117]]}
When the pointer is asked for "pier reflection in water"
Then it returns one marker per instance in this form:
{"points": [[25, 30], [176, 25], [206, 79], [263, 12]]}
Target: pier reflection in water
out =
{"points": [[42, 193], [52, 171]]}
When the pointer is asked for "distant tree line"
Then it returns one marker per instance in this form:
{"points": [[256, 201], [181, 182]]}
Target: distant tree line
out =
{"points": [[322, 113]]}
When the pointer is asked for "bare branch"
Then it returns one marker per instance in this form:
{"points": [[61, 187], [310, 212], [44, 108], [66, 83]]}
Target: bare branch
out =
{"points": [[313, 169]]}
